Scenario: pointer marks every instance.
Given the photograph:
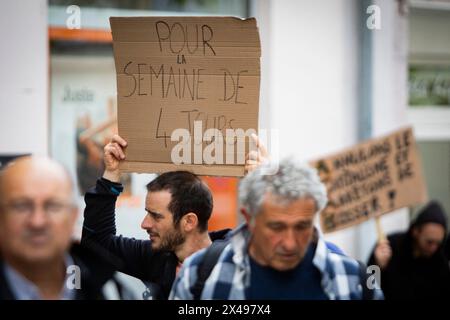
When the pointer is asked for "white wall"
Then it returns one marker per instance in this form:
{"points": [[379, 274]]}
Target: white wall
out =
{"points": [[310, 81], [390, 100], [313, 76], [24, 77], [312, 53]]}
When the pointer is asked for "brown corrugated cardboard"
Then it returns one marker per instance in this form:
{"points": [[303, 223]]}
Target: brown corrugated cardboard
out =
{"points": [[172, 71], [371, 179]]}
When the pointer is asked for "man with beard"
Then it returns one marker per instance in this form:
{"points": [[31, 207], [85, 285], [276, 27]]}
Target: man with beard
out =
{"points": [[413, 264], [178, 206]]}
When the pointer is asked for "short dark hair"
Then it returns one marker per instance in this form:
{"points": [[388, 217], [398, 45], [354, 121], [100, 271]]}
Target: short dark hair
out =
{"points": [[189, 194]]}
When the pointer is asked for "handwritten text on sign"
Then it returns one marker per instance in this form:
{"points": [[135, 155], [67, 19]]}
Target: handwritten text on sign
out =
{"points": [[372, 178], [175, 71]]}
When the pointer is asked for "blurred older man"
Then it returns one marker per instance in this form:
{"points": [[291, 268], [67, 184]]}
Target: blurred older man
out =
{"points": [[278, 253], [37, 217]]}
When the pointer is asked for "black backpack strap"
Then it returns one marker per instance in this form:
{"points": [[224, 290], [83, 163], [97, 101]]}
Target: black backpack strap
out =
{"points": [[152, 291], [367, 294], [206, 265]]}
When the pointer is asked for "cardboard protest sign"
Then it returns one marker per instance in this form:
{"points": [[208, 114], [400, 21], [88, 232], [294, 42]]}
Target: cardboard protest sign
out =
{"points": [[186, 75], [370, 179]]}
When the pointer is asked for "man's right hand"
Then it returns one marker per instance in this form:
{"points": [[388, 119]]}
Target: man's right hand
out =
{"points": [[113, 154], [383, 253]]}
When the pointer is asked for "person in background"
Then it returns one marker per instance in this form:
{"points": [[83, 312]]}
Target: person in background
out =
{"points": [[413, 264]]}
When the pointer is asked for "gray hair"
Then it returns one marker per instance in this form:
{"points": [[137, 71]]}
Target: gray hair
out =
{"points": [[292, 181]]}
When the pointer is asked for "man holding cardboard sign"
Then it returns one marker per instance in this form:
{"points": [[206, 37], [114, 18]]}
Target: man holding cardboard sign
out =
{"points": [[178, 206], [188, 92]]}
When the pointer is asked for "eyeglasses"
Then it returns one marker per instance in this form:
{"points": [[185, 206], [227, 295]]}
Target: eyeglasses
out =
{"points": [[24, 208]]}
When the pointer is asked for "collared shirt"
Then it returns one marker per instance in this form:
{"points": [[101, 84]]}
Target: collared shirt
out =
{"points": [[23, 289], [230, 278]]}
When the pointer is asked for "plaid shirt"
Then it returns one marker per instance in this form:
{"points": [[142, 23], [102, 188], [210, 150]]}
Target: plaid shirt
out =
{"points": [[230, 278]]}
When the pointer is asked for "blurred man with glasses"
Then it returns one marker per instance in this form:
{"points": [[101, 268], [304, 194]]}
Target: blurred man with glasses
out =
{"points": [[37, 217]]}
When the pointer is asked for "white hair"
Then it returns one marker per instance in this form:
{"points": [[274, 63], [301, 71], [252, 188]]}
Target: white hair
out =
{"points": [[292, 182]]}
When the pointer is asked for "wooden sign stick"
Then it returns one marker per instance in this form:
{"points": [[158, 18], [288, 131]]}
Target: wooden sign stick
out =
{"points": [[380, 234]]}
